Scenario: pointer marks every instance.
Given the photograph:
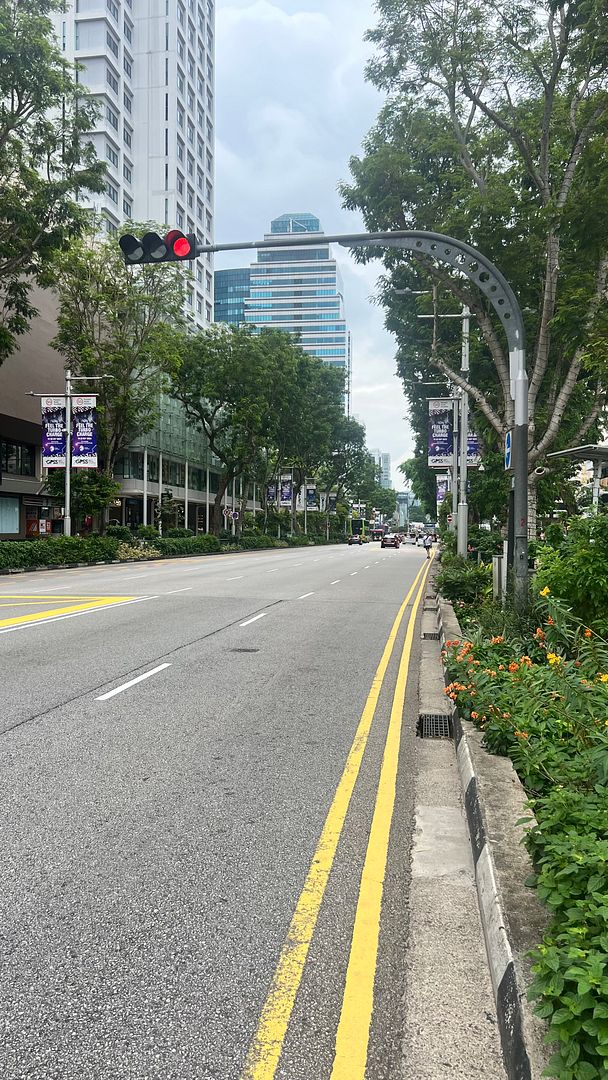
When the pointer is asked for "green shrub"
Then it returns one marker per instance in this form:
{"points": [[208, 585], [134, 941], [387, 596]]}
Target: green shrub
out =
{"points": [[120, 532], [253, 542], [129, 551], [464, 581], [204, 544], [177, 534], [147, 532], [57, 551], [577, 571], [298, 541]]}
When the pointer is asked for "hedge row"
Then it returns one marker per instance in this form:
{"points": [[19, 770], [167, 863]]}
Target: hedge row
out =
{"points": [[57, 551], [188, 545]]}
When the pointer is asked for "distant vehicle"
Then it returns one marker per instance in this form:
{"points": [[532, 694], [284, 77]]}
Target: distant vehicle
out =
{"points": [[356, 538], [390, 540], [378, 533]]}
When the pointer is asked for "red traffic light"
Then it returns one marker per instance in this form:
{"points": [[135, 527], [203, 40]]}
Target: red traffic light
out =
{"points": [[176, 246]]}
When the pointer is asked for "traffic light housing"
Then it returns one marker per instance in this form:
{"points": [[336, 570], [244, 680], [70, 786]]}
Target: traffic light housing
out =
{"points": [[176, 246]]}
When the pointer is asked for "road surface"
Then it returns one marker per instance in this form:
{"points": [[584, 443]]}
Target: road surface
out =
{"points": [[207, 812]]}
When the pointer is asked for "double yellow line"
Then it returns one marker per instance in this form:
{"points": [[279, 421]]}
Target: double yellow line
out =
{"points": [[355, 1019]]}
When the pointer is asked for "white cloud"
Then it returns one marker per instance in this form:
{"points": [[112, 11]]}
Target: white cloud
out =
{"points": [[292, 107]]}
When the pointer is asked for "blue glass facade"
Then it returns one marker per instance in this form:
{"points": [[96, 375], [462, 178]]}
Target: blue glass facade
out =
{"points": [[300, 290], [230, 292]]}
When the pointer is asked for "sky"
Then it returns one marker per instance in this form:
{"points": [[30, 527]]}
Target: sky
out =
{"points": [[292, 106]]}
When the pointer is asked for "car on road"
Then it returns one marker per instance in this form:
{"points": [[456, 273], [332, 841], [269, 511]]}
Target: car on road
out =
{"points": [[390, 540], [355, 539]]}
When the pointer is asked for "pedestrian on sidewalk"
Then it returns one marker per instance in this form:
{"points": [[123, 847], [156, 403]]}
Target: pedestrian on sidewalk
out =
{"points": [[427, 544]]}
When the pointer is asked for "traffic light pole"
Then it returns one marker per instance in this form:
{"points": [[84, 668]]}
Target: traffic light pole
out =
{"points": [[478, 269]]}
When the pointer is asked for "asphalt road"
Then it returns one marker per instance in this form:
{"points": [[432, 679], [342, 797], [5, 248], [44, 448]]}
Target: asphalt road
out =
{"points": [[190, 771]]}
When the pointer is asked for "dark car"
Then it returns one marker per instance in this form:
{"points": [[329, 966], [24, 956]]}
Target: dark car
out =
{"points": [[390, 540]]}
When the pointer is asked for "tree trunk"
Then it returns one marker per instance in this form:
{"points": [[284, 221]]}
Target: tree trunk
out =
{"points": [[216, 517]]}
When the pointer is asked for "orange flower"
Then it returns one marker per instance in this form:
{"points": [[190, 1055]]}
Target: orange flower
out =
{"points": [[549, 621], [513, 666], [498, 640], [501, 667], [588, 632], [526, 661], [474, 716], [521, 734], [540, 634]]}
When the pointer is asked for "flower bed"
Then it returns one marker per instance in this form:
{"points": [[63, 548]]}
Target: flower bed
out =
{"points": [[542, 700]]}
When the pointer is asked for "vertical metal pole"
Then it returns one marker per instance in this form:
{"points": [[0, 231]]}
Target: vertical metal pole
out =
{"points": [[463, 509], [254, 504], [207, 514], [597, 476], [305, 508], [160, 491], [186, 507], [67, 512], [233, 521], [145, 513], [455, 430], [520, 479]]}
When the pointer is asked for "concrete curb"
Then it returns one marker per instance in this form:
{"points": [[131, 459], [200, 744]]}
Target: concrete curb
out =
{"points": [[512, 916]]}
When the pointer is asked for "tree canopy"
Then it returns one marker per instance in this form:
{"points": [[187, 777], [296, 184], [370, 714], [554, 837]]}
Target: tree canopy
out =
{"points": [[46, 161], [494, 131]]}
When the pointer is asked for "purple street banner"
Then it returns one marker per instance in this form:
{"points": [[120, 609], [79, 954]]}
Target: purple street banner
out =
{"points": [[53, 432], [286, 491], [473, 452], [440, 440], [442, 489], [84, 431], [311, 496], [271, 493]]}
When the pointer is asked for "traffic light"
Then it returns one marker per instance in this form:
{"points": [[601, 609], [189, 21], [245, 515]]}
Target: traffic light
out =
{"points": [[176, 246]]}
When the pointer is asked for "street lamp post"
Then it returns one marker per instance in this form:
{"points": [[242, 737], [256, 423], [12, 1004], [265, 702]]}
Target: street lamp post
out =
{"points": [[463, 509]]}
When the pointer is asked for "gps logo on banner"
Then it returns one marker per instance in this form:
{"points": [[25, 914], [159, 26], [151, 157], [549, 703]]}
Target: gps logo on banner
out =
{"points": [[84, 432]]}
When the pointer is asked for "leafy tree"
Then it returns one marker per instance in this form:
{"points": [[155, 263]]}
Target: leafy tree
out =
{"points": [[495, 132], [385, 501], [92, 490], [45, 158], [422, 482], [120, 322], [239, 388]]}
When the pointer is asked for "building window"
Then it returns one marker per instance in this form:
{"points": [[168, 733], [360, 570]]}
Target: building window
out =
{"points": [[180, 183], [128, 32], [111, 228], [112, 8], [9, 516], [190, 99], [128, 136], [199, 275], [111, 155], [180, 81], [180, 150], [180, 117], [128, 65], [18, 458], [190, 132], [209, 101], [189, 296], [130, 465], [112, 80], [128, 100], [127, 208], [190, 198], [200, 85], [209, 131], [209, 71], [209, 9], [191, 34], [112, 43], [152, 468], [181, 48], [208, 192], [199, 305], [209, 160], [208, 222], [112, 192], [179, 217], [208, 312], [181, 15], [191, 66], [111, 117], [190, 165], [199, 178], [126, 172], [208, 280]]}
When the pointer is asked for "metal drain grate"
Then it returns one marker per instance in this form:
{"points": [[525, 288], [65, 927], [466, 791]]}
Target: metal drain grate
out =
{"points": [[430, 636], [434, 726]]}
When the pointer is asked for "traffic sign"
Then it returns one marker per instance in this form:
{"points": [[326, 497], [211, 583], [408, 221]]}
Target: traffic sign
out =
{"points": [[450, 519], [235, 515], [508, 449], [227, 512]]}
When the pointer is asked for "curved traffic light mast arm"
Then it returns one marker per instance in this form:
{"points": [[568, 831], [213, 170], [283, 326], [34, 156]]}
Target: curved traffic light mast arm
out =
{"points": [[488, 278]]}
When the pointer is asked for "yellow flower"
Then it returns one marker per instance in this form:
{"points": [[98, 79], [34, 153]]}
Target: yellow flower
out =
{"points": [[554, 659], [602, 678], [545, 591]]}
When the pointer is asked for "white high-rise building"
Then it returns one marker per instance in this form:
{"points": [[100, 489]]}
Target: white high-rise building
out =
{"points": [[383, 465], [150, 64]]}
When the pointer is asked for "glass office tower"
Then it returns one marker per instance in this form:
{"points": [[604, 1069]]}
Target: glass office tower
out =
{"points": [[300, 290], [231, 289]]}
